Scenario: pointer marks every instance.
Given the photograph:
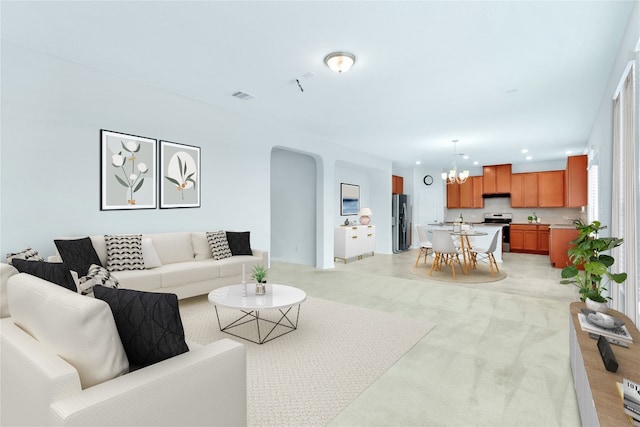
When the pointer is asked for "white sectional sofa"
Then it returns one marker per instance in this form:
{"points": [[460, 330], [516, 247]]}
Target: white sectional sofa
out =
{"points": [[188, 268], [62, 364]]}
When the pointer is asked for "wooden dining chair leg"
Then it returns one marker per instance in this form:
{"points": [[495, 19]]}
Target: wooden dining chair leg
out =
{"points": [[495, 263], [426, 254], [436, 259], [419, 255], [453, 265]]}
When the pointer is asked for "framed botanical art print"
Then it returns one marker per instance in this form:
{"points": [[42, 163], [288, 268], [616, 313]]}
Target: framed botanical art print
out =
{"points": [[179, 175], [349, 199], [127, 171]]}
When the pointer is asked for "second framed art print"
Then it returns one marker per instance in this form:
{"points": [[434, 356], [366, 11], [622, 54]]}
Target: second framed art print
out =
{"points": [[179, 175]]}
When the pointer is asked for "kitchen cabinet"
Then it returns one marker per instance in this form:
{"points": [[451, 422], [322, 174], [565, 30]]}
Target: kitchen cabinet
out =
{"points": [[471, 193], [353, 241], [465, 195], [496, 179], [453, 196], [559, 245], [576, 182], [397, 184], [478, 185], [529, 238], [551, 189], [524, 190], [537, 190]]}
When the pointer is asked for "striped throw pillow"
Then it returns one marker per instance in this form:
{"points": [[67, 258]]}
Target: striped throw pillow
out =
{"points": [[124, 252], [218, 244], [97, 275]]}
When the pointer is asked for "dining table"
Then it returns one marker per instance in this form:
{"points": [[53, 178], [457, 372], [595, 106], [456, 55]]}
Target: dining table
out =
{"points": [[465, 245]]}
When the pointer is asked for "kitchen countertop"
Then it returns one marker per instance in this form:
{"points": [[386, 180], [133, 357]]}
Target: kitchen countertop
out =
{"points": [[567, 226]]}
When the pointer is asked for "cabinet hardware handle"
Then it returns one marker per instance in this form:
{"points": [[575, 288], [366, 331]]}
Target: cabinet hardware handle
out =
{"points": [[354, 237]]}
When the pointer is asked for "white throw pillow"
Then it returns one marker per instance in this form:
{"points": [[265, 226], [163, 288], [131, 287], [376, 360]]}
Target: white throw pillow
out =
{"points": [[151, 258], [79, 329]]}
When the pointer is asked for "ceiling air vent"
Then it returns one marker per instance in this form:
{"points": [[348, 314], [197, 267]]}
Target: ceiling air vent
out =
{"points": [[242, 95]]}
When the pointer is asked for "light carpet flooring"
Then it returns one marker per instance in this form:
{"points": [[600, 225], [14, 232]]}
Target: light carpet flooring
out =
{"points": [[499, 355], [308, 376]]}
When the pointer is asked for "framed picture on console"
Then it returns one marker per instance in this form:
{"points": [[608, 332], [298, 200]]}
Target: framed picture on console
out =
{"points": [[179, 175], [127, 171], [349, 199]]}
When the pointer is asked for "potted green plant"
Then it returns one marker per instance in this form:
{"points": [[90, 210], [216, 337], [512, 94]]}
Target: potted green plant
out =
{"points": [[530, 219], [259, 274], [589, 265]]}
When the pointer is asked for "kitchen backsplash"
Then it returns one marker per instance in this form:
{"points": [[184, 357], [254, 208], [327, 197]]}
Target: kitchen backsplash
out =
{"points": [[503, 205]]}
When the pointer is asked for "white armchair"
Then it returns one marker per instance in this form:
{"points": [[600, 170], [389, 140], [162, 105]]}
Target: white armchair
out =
{"points": [[204, 386]]}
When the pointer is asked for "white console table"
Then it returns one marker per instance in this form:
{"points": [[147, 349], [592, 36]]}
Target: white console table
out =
{"points": [[596, 390], [353, 241]]}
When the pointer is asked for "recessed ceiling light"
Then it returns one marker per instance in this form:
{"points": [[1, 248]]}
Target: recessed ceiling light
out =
{"points": [[476, 163], [529, 157], [568, 152], [418, 162], [465, 157], [524, 150]]}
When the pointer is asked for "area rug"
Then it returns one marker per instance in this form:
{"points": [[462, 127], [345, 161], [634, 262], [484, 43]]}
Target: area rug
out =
{"points": [[482, 274], [310, 375]]}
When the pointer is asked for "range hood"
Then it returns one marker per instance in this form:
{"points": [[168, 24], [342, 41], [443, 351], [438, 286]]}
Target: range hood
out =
{"points": [[494, 195]]}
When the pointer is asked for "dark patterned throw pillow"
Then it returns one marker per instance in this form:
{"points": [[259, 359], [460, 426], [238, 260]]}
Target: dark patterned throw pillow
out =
{"points": [[78, 254], [97, 275], [149, 324], [239, 242], [218, 244], [54, 272], [26, 253], [124, 252]]}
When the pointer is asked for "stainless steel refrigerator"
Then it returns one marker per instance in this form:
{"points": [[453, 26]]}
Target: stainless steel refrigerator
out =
{"points": [[400, 222]]}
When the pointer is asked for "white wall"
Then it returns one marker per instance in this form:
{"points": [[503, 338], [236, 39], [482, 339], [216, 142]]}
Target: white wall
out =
{"points": [[293, 207], [601, 136], [375, 193], [52, 112]]}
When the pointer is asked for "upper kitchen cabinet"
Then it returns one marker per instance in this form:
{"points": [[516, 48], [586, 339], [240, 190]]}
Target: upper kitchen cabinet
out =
{"points": [[397, 184], [551, 189], [453, 196], [471, 193], [524, 190], [575, 180], [496, 179], [465, 195]]}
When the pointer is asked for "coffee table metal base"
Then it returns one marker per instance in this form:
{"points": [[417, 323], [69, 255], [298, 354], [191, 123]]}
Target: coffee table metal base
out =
{"points": [[254, 316]]}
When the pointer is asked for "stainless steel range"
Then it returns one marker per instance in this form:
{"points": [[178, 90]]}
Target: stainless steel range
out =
{"points": [[504, 219]]}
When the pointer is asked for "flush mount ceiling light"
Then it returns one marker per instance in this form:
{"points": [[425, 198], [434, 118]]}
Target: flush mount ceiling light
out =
{"points": [[340, 62]]}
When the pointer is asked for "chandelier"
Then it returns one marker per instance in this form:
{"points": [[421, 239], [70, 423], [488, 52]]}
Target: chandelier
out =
{"points": [[455, 177]]}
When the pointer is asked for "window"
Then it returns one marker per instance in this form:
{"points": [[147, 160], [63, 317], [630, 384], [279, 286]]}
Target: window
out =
{"points": [[623, 197]]}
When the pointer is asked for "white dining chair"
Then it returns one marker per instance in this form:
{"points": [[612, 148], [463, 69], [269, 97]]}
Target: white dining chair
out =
{"points": [[487, 254], [425, 244], [445, 252]]}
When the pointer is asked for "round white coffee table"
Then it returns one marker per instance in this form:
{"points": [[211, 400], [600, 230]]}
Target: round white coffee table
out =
{"points": [[278, 297]]}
